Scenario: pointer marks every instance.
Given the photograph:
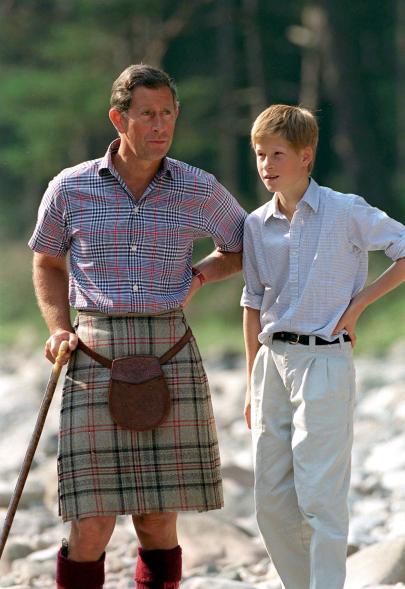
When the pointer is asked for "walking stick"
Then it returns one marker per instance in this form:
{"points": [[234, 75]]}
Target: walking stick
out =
{"points": [[29, 455]]}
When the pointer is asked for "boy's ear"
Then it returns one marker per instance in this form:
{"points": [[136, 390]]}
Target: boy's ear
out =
{"points": [[307, 155]]}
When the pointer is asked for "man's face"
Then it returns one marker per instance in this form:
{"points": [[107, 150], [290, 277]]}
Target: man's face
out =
{"points": [[148, 126], [280, 166]]}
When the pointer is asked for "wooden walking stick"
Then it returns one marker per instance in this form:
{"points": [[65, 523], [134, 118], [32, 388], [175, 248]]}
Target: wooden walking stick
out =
{"points": [[29, 455]]}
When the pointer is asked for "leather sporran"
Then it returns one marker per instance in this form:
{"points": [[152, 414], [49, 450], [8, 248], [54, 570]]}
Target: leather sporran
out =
{"points": [[138, 397]]}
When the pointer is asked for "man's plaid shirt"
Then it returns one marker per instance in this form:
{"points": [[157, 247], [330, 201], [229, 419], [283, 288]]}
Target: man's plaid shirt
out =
{"points": [[130, 255]]}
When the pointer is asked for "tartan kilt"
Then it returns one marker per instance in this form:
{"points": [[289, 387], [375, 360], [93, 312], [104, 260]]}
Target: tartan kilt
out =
{"points": [[107, 470]]}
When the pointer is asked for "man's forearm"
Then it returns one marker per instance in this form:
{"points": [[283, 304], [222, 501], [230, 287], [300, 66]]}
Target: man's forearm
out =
{"points": [[51, 282], [219, 265]]}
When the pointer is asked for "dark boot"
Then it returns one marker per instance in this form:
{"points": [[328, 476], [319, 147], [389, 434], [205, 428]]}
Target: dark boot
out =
{"points": [[158, 569], [71, 574]]}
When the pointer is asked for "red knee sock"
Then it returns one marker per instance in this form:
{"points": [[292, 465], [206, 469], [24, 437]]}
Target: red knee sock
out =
{"points": [[71, 574], [158, 569]]}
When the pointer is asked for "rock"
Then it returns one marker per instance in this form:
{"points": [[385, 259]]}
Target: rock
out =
{"points": [[243, 476], [384, 403], [13, 586], [394, 481], [220, 583], [10, 580], [46, 473], [206, 539], [387, 456], [222, 549], [396, 524], [214, 583], [43, 555], [27, 570], [368, 516], [16, 548], [380, 563], [50, 445], [33, 493]]}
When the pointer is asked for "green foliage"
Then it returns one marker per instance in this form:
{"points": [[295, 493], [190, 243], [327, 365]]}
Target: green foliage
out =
{"points": [[20, 320], [197, 121], [59, 59]]}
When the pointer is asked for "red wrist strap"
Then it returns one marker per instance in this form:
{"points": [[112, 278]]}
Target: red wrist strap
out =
{"points": [[199, 275]]}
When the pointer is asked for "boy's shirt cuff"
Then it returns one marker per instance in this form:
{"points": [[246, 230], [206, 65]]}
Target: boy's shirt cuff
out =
{"points": [[251, 300]]}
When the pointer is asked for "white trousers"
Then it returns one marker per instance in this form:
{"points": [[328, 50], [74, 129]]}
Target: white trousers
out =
{"points": [[302, 429]]}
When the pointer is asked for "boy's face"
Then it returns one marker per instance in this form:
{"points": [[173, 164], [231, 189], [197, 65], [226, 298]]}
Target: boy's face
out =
{"points": [[281, 167]]}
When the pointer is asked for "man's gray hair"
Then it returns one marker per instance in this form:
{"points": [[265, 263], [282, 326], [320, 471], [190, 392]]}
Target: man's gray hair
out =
{"points": [[135, 76]]}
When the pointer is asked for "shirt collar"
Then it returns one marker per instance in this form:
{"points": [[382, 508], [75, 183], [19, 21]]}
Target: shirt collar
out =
{"points": [[106, 163], [311, 198]]}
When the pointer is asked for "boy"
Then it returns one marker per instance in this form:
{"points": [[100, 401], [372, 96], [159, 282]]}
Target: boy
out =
{"points": [[305, 266]]}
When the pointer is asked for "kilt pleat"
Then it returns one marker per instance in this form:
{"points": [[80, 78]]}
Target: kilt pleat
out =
{"points": [[107, 470]]}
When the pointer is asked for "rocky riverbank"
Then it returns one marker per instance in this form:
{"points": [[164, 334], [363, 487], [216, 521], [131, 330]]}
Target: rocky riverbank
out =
{"points": [[221, 549]]}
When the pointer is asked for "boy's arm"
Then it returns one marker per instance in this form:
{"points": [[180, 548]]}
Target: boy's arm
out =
{"points": [[251, 330], [389, 280]]}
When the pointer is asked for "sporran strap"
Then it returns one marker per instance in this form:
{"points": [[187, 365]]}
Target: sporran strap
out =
{"points": [[97, 357], [176, 348], [163, 359]]}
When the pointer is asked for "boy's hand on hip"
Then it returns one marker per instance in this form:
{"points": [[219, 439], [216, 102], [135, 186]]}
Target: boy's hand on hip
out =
{"points": [[349, 320]]}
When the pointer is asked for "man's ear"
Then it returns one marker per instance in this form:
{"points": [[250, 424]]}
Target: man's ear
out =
{"points": [[118, 120]]}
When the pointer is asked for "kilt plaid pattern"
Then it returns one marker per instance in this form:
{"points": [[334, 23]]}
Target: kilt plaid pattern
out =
{"points": [[106, 470]]}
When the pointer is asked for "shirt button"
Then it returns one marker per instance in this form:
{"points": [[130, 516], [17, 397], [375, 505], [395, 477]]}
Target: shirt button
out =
{"points": [[136, 210], [134, 248], [135, 288]]}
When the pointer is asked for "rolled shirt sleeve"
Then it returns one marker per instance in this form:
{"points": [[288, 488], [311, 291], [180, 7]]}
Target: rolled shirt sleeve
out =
{"points": [[224, 218], [51, 234], [253, 291], [372, 229]]}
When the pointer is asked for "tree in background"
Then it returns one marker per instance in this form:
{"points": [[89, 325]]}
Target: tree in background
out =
{"points": [[230, 59]]}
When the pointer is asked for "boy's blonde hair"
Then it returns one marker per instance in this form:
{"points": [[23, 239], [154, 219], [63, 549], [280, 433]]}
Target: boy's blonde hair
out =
{"points": [[294, 123]]}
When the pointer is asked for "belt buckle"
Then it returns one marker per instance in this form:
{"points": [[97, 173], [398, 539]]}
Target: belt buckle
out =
{"points": [[296, 341]]}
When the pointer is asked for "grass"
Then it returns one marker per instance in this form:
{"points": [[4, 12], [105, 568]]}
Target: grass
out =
{"points": [[20, 320], [216, 318], [214, 313], [383, 323]]}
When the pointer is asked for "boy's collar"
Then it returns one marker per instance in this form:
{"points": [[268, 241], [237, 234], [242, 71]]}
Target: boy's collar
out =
{"points": [[310, 197]]}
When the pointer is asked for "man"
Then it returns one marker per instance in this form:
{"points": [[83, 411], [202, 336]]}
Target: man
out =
{"points": [[128, 222]]}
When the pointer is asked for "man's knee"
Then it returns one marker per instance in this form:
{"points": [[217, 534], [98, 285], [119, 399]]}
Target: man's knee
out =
{"points": [[159, 528], [89, 537]]}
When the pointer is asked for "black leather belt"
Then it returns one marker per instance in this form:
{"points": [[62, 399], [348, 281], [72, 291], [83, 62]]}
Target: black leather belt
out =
{"points": [[296, 338]]}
